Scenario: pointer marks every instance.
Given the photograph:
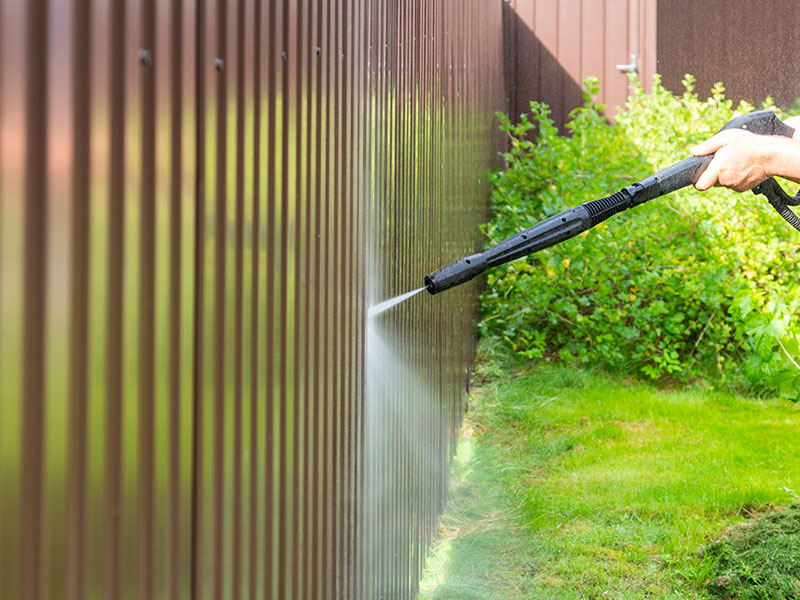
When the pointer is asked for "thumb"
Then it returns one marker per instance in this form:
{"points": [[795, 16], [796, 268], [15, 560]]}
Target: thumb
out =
{"points": [[709, 146]]}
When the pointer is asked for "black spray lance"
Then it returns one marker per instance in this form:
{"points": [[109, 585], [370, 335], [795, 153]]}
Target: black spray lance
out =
{"points": [[573, 221]]}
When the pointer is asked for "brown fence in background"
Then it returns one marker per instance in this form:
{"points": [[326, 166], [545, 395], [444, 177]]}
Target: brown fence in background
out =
{"points": [[198, 201], [551, 46], [751, 48]]}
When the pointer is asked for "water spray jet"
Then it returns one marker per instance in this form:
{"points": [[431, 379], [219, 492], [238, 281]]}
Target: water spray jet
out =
{"points": [[377, 309]]}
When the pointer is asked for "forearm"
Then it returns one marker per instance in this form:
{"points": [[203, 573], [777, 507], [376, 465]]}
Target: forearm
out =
{"points": [[781, 157]]}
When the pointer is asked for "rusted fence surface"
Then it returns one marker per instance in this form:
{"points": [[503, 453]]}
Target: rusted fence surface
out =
{"points": [[198, 201]]}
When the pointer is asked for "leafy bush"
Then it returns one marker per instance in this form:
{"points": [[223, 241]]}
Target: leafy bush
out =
{"points": [[773, 341], [651, 290]]}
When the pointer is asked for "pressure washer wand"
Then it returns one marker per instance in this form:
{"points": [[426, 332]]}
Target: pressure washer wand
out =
{"points": [[573, 221]]}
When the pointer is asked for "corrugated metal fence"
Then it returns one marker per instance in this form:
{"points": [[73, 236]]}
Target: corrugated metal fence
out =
{"points": [[198, 200]]}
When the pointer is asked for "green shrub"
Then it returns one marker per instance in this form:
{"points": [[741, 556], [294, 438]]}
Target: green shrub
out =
{"points": [[773, 341], [651, 290]]}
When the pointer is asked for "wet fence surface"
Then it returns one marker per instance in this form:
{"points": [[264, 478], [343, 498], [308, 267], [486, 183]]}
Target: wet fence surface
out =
{"points": [[198, 202]]}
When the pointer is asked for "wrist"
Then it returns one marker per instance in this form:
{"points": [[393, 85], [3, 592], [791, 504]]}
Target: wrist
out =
{"points": [[778, 155]]}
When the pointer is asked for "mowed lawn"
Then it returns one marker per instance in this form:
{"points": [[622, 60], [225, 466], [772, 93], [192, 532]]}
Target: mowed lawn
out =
{"points": [[570, 484]]}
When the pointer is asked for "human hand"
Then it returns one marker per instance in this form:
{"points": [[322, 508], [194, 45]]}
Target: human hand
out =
{"points": [[739, 162]]}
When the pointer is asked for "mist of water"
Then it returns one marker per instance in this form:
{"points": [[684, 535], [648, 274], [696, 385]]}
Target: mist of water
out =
{"points": [[377, 309], [403, 460]]}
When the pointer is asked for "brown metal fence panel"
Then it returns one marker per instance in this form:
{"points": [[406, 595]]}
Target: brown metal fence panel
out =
{"points": [[198, 202], [553, 45], [715, 41]]}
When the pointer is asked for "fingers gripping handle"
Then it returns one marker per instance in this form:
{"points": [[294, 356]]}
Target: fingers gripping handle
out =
{"points": [[688, 171]]}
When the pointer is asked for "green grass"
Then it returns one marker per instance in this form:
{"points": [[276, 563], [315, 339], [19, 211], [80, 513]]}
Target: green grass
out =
{"points": [[569, 484], [759, 559]]}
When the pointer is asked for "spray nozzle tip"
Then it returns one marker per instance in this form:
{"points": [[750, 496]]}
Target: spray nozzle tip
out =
{"points": [[429, 285]]}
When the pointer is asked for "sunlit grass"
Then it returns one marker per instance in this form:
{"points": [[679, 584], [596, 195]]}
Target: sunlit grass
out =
{"points": [[570, 484]]}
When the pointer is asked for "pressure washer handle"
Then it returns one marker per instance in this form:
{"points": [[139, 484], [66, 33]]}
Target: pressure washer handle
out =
{"points": [[573, 221]]}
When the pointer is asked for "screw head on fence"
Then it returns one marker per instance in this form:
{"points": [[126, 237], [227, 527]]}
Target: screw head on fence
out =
{"points": [[145, 57]]}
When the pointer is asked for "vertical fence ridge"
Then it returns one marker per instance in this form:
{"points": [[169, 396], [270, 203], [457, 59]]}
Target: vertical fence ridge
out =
{"points": [[176, 310], [79, 315], [116, 228], [318, 388], [147, 295], [271, 354], [253, 547], [284, 285], [236, 564], [295, 50], [34, 294], [219, 558]]}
